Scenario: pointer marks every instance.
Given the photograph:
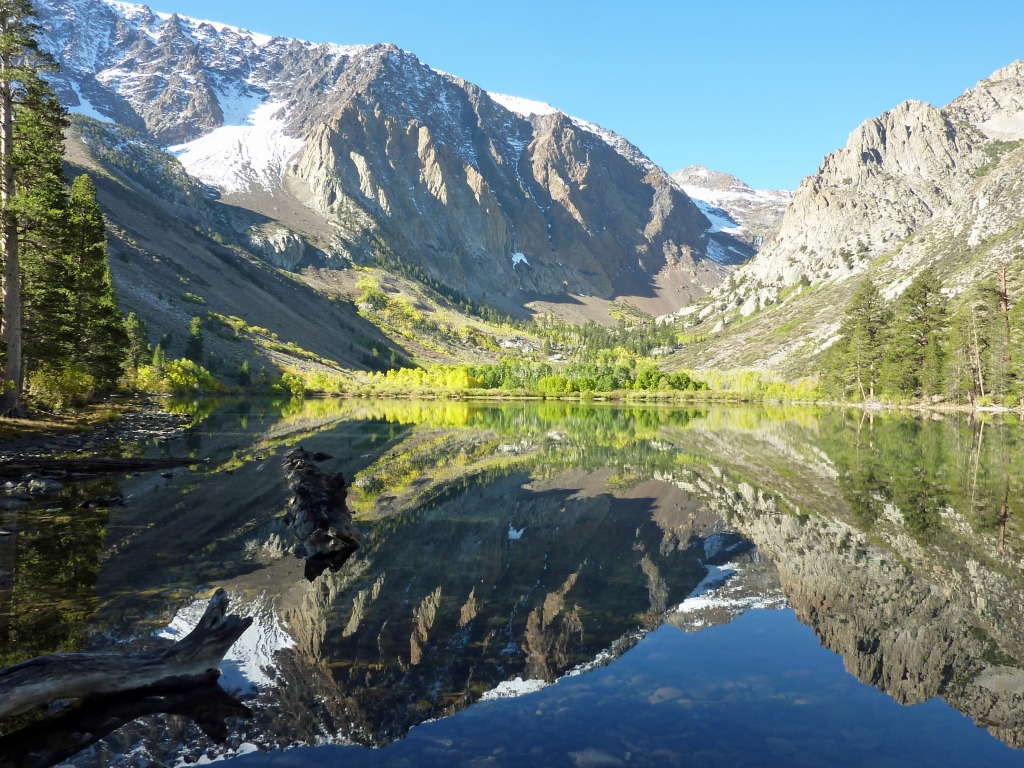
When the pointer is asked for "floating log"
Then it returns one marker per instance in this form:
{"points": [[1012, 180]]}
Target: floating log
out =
{"points": [[43, 465], [57, 737], [79, 675], [317, 514]]}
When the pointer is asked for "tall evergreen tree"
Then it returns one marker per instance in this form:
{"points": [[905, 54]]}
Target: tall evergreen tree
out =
{"points": [[961, 371], [194, 345], [138, 340], [41, 208], [100, 344], [865, 327], [27, 179], [914, 355]]}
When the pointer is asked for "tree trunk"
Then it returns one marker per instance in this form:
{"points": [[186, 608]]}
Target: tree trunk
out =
{"points": [[11, 375], [39, 681], [1004, 309], [58, 737]]}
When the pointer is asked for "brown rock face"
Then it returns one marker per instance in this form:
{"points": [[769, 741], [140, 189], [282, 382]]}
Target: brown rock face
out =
{"points": [[459, 189]]}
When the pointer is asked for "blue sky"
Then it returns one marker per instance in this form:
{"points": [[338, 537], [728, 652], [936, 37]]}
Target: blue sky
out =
{"points": [[763, 89]]}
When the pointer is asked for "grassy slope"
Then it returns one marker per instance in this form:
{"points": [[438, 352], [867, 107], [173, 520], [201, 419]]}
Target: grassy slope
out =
{"points": [[171, 261]]}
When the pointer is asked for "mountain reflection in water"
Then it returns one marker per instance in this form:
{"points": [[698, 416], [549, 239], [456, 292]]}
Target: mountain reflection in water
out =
{"points": [[509, 547]]}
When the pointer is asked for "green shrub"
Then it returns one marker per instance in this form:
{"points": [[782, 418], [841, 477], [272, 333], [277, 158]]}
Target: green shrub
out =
{"points": [[61, 386]]}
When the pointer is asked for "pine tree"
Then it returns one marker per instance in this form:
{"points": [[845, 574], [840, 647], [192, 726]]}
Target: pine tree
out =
{"points": [[27, 109], [865, 329], [961, 374], [194, 345], [138, 340], [101, 341], [914, 355]]}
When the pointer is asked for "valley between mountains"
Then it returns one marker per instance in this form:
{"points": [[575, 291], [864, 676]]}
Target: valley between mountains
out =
{"points": [[334, 212]]}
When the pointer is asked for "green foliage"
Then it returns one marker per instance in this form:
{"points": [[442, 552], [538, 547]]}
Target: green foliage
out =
{"points": [[920, 346], [101, 339], [914, 356], [293, 383], [194, 344], [58, 387], [371, 294], [995, 151], [179, 377], [138, 340], [513, 374], [130, 152]]}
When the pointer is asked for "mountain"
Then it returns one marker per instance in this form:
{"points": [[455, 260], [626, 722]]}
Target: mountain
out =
{"points": [[752, 215], [366, 155], [916, 187]]}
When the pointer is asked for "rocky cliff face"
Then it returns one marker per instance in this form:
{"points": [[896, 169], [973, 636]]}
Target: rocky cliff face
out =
{"points": [[408, 166], [914, 171]]}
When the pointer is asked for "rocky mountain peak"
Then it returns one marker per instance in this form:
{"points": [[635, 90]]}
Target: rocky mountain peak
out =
{"points": [[996, 105], [394, 158], [733, 206], [702, 177], [897, 173]]}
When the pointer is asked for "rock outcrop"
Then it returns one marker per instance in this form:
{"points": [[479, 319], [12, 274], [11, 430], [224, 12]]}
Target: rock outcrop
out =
{"points": [[914, 170], [277, 245]]}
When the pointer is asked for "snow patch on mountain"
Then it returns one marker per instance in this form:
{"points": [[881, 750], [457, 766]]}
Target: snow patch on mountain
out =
{"points": [[250, 149], [523, 107], [85, 107], [721, 198], [721, 596], [720, 220], [528, 108]]}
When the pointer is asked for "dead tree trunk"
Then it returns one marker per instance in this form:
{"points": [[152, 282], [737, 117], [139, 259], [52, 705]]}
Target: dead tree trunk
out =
{"points": [[79, 675], [60, 736]]}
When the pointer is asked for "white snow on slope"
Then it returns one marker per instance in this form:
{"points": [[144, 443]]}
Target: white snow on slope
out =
{"points": [[528, 108], [246, 663], [508, 689], [250, 149], [719, 197], [143, 17], [86, 108], [720, 220], [523, 107]]}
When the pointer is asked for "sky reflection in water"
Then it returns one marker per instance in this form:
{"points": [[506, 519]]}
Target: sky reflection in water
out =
{"points": [[759, 691]]}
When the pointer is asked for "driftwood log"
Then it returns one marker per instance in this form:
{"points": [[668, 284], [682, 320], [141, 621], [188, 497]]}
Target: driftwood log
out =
{"points": [[57, 737], [58, 676], [317, 514], [88, 465]]}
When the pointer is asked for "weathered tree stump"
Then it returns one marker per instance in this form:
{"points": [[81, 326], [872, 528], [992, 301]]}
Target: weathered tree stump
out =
{"points": [[57, 676], [317, 514], [57, 737]]}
